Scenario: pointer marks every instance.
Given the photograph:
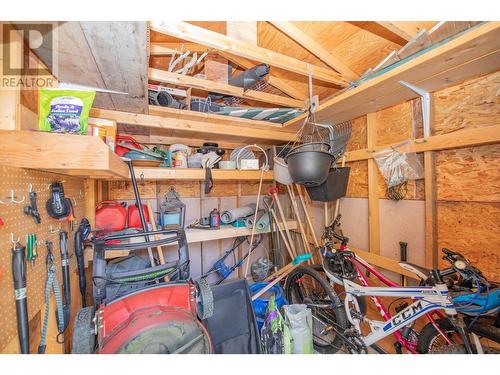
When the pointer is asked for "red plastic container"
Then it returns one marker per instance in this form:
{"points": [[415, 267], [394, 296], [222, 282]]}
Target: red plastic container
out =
{"points": [[134, 220], [129, 141], [110, 216]]}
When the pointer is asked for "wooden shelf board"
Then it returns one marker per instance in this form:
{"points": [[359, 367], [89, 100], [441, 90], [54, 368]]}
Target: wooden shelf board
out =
{"points": [[474, 53], [158, 174], [70, 154], [194, 236], [189, 126]]}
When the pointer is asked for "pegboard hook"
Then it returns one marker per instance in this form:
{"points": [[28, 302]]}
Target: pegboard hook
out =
{"points": [[30, 188], [12, 239], [51, 230], [12, 198]]}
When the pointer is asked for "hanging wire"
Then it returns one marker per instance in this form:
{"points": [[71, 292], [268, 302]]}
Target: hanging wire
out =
{"points": [[398, 192]]}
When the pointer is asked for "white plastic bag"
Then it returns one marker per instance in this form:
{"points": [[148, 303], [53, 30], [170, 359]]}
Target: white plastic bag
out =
{"points": [[399, 164], [299, 319]]}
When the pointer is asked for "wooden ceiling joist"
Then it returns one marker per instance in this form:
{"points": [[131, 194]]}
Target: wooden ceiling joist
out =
{"points": [[469, 55], [192, 126], [203, 84], [292, 31], [221, 42], [276, 82]]}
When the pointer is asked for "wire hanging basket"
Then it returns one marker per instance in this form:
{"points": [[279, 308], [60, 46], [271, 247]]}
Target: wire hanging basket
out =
{"points": [[315, 148]]}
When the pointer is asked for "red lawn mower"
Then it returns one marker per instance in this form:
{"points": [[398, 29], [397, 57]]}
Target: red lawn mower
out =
{"points": [[135, 310]]}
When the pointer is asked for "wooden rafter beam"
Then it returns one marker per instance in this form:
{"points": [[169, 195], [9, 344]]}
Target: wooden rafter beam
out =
{"points": [[168, 48], [222, 88], [221, 42], [383, 30], [404, 29], [292, 31], [191, 126], [278, 83]]}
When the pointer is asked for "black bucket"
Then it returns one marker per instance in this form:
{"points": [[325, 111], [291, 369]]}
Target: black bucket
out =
{"points": [[333, 188], [309, 163]]}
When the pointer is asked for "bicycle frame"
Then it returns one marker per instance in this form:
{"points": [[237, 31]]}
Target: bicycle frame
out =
{"points": [[427, 299], [360, 262]]}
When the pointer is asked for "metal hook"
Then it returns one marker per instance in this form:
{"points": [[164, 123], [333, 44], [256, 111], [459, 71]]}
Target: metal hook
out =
{"points": [[12, 239], [12, 200], [30, 189], [51, 230]]}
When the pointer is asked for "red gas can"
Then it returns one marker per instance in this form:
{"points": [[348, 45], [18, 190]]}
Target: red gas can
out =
{"points": [[129, 141], [134, 220], [110, 216]]}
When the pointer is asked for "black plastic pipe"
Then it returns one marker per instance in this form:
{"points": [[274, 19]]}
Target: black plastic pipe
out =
{"points": [[19, 276]]}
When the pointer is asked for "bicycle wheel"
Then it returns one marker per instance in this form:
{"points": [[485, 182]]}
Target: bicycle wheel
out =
{"points": [[460, 349], [307, 286], [431, 341]]}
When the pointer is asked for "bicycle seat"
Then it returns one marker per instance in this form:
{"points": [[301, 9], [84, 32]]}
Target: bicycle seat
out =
{"points": [[422, 272]]}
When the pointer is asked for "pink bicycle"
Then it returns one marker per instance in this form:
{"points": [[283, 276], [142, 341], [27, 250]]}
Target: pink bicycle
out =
{"points": [[331, 325]]}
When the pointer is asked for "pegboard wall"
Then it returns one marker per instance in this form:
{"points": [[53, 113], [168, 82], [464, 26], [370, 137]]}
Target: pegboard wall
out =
{"points": [[19, 224]]}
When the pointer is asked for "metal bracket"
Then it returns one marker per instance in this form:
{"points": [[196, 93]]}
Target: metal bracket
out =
{"points": [[426, 106]]}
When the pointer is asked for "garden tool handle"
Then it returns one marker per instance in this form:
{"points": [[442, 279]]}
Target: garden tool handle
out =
{"points": [[19, 277]]}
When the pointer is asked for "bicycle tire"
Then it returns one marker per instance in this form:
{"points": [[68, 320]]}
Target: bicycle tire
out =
{"points": [[429, 335], [460, 349], [321, 343], [84, 339]]}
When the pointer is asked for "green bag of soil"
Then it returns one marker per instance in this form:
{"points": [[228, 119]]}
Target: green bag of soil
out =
{"points": [[275, 333], [64, 111]]}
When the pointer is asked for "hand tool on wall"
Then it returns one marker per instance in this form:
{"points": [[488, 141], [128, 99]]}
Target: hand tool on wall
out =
{"points": [[280, 231], [63, 244], [32, 208], [31, 246], [274, 193], [299, 221], [19, 277], [51, 283], [308, 218], [250, 249], [289, 268], [268, 202], [80, 236]]}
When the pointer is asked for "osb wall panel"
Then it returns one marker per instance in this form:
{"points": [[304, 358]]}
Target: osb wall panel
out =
{"points": [[395, 124], [358, 179], [17, 223], [471, 228], [473, 104], [469, 174], [358, 135]]}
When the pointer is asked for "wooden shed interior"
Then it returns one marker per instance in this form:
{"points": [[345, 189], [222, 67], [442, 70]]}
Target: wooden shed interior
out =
{"points": [[318, 72]]}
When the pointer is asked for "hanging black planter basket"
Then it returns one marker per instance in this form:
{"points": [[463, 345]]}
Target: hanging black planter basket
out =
{"points": [[309, 163], [333, 188]]}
